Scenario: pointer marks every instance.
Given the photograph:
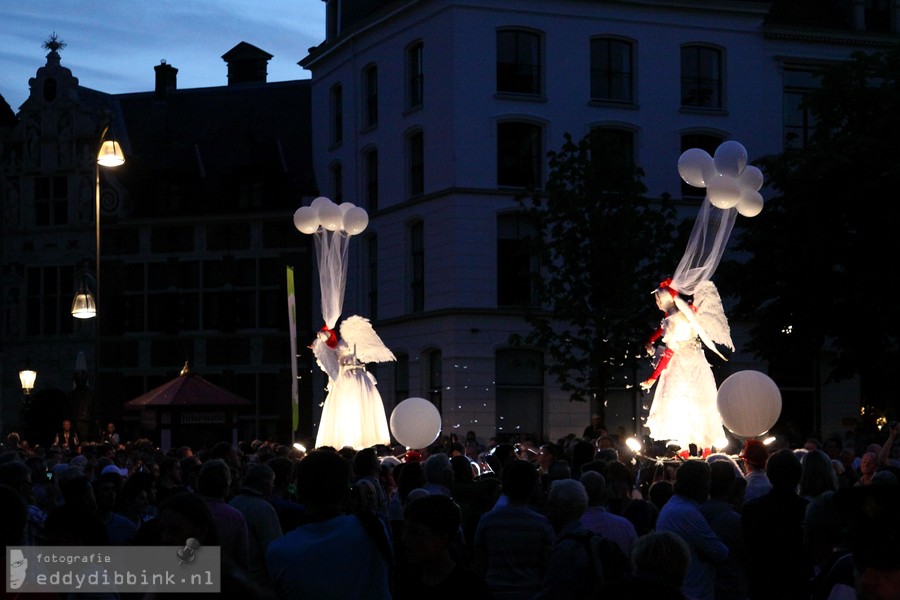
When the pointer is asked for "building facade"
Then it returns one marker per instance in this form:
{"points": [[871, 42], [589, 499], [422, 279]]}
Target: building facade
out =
{"points": [[194, 238], [436, 114]]}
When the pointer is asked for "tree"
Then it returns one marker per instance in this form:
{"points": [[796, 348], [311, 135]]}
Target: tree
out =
{"points": [[819, 275], [603, 248]]}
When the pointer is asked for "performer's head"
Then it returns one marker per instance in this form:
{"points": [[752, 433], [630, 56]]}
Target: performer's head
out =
{"points": [[665, 295], [328, 336]]}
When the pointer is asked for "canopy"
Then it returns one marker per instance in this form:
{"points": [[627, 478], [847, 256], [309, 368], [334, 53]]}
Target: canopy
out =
{"points": [[187, 389]]}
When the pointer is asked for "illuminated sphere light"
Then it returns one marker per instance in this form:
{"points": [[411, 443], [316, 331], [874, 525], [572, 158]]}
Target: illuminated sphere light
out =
{"points": [[730, 158], [749, 403], [355, 220], [331, 216], [696, 167], [415, 423], [306, 219], [320, 202], [750, 204], [723, 191], [751, 178]]}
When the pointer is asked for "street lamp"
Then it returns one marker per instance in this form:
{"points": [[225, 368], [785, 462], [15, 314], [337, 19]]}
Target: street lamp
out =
{"points": [[27, 377], [84, 305]]}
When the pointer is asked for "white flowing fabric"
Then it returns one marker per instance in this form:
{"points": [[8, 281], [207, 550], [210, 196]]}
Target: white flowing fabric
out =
{"points": [[705, 247], [684, 404], [353, 414], [332, 250]]}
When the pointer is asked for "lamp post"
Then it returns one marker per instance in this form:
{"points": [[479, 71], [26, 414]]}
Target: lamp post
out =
{"points": [[84, 306]]}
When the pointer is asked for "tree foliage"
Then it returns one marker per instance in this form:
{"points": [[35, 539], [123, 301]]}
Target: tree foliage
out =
{"points": [[603, 248], [820, 252]]}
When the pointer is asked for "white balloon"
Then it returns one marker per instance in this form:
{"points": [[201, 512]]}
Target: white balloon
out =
{"points": [[320, 202], [356, 220], [749, 403], [694, 166], [330, 216], [345, 206], [723, 191], [306, 219], [415, 423], [730, 158], [751, 178], [750, 204]]}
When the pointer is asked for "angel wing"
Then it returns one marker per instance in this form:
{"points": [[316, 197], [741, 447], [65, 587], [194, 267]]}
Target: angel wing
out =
{"points": [[711, 315], [357, 332], [326, 358]]}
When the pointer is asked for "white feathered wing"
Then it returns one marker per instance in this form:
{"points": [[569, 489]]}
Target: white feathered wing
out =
{"points": [[711, 314], [357, 332]]}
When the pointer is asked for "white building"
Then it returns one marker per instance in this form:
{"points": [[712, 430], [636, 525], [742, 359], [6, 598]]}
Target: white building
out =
{"points": [[433, 114]]}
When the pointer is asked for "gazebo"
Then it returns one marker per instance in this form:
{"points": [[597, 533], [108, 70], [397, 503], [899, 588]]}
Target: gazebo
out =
{"points": [[190, 411]]}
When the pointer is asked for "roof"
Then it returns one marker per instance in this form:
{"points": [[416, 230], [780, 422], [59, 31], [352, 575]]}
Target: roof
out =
{"points": [[188, 389]]}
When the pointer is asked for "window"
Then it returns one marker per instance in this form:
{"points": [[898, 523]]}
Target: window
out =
{"points": [[336, 103], [517, 264], [615, 145], [612, 78], [434, 360], [415, 87], [50, 293], [701, 77], [337, 182], [518, 62], [372, 258], [518, 154], [401, 378], [416, 162], [370, 166], [704, 141], [519, 392], [51, 201], [799, 122], [370, 95], [417, 266]]}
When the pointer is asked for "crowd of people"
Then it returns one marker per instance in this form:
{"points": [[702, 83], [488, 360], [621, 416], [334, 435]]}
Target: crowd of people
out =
{"points": [[580, 518]]}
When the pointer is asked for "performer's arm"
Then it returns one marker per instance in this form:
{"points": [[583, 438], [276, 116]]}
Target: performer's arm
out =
{"points": [[660, 367]]}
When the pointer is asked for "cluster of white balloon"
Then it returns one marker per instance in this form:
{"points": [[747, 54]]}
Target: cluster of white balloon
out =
{"points": [[324, 213], [729, 181]]}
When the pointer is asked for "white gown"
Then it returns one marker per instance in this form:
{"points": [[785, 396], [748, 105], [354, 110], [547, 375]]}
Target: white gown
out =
{"points": [[684, 403], [353, 414]]}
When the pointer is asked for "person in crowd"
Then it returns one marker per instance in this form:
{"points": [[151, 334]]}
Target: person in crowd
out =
{"points": [[621, 500], [16, 475], [580, 562], [431, 525], [726, 492], [660, 561], [66, 439], [291, 513], [595, 429], [120, 530], [367, 466], [599, 520], [213, 482], [755, 456], [512, 542], [438, 474], [110, 435], [169, 481], [263, 525], [323, 479], [773, 533], [681, 515], [817, 475], [868, 464]]}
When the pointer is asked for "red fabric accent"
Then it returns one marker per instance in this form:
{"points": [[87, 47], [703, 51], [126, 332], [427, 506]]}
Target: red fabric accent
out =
{"points": [[662, 364], [666, 284], [332, 341], [655, 336]]}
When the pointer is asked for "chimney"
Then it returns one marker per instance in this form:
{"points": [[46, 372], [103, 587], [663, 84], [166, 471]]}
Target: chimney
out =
{"points": [[165, 79], [246, 64]]}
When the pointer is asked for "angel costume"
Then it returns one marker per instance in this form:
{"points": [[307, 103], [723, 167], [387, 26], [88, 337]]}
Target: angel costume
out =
{"points": [[684, 404], [353, 414]]}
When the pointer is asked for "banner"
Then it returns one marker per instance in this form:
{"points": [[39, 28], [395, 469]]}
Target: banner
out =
{"points": [[292, 321]]}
